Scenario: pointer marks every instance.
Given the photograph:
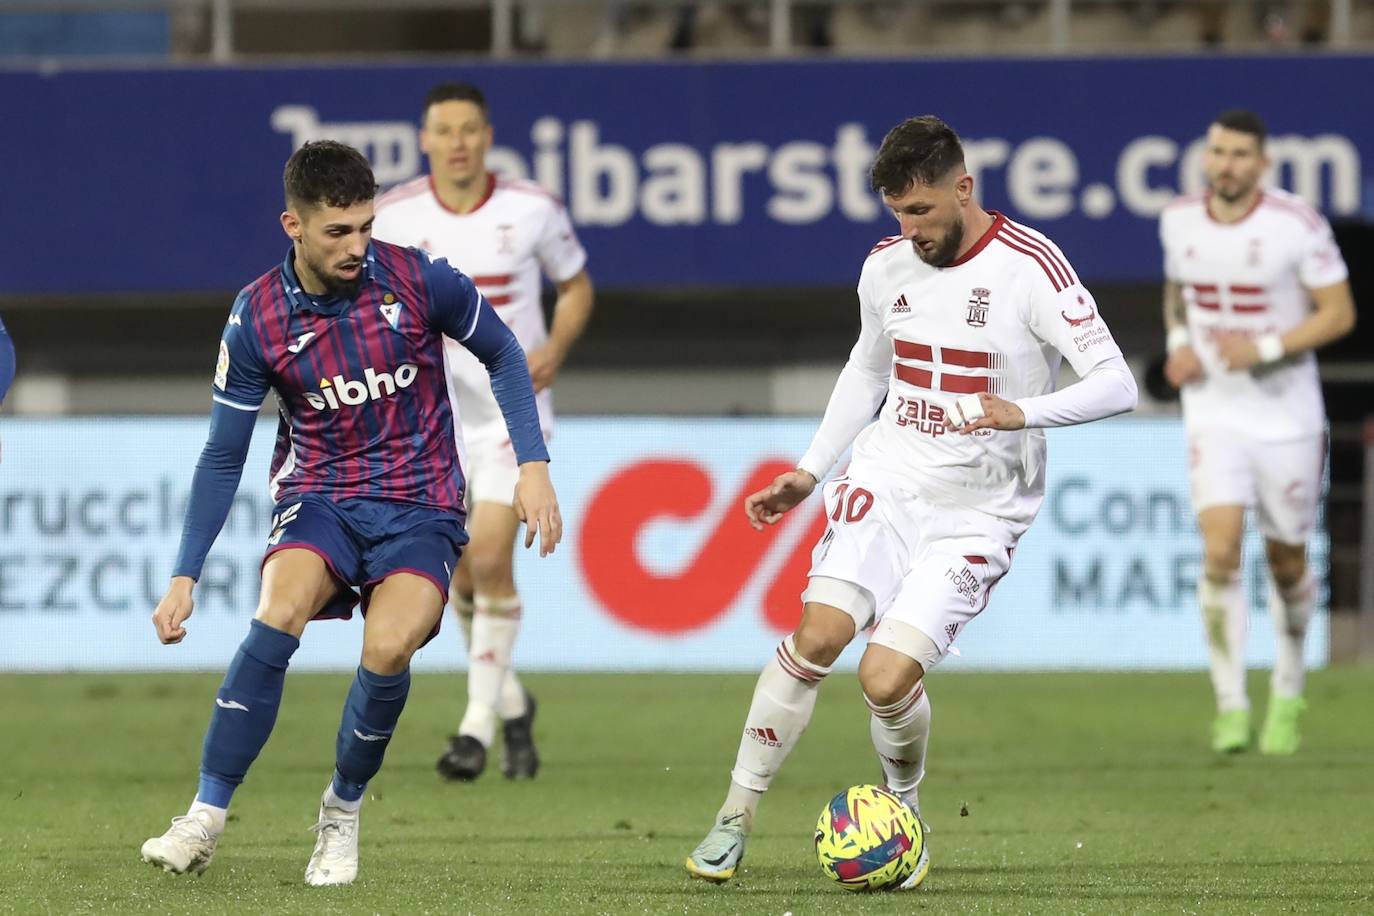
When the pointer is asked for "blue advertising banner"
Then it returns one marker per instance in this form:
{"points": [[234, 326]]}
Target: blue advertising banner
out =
{"points": [[740, 174], [658, 570]]}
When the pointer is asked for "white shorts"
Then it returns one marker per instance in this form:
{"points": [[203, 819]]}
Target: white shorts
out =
{"points": [[490, 463], [1281, 480], [929, 566], [492, 472]]}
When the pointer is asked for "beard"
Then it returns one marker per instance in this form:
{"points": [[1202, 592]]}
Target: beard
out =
{"points": [[1232, 193], [340, 288], [947, 249], [334, 285]]}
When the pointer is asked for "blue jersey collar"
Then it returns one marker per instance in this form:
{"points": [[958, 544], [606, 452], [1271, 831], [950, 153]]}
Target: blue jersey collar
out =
{"points": [[326, 305]]}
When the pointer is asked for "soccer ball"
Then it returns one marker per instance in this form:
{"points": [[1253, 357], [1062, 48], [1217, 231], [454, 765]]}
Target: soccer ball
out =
{"points": [[868, 839]]}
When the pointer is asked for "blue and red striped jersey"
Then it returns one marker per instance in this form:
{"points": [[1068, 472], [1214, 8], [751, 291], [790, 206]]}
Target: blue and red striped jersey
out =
{"points": [[362, 385]]}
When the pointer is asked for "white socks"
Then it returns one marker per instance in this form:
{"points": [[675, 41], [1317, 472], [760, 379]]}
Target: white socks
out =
{"points": [[1225, 617], [494, 627], [1291, 609], [900, 733], [332, 800], [783, 702], [218, 816]]}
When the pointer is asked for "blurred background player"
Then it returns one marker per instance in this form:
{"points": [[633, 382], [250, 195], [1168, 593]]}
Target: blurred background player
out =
{"points": [[1254, 283], [502, 233], [366, 479], [923, 524]]}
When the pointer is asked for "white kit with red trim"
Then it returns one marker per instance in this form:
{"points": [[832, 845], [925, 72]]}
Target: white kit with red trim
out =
{"points": [[516, 232], [997, 320], [1251, 276]]}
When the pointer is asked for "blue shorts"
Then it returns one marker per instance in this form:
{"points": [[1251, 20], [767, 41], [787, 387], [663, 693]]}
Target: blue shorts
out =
{"points": [[363, 541]]}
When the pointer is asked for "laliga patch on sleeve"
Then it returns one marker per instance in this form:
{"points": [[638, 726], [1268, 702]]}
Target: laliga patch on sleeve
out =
{"points": [[222, 366], [969, 407]]}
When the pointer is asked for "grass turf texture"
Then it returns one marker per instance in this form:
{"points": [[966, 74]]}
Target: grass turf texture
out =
{"points": [[1085, 793]]}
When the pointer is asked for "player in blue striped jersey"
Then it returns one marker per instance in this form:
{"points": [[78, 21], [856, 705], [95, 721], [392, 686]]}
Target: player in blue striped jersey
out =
{"points": [[367, 480]]}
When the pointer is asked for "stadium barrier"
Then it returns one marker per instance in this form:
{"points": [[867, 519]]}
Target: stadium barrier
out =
{"points": [[658, 571]]}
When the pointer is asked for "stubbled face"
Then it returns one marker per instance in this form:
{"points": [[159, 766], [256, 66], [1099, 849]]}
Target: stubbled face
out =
{"points": [[1233, 162], [931, 217], [331, 243], [456, 136]]}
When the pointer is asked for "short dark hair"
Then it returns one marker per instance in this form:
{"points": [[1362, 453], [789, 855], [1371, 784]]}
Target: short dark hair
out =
{"points": [[922, 149], [452, 91], [328, 172], [1243, 120]]}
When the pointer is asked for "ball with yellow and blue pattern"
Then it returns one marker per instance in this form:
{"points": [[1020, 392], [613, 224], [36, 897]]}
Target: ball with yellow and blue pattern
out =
{"points": [[868, 839]]}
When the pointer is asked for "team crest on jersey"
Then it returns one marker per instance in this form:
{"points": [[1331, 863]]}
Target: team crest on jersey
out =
{"points": [[978, 300], [1255, 256], [391, 310], [506, 239], [1081, 319]]}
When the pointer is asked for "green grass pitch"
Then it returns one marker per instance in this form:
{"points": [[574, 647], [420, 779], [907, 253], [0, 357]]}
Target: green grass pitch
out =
{"points": [[1084, 793]]}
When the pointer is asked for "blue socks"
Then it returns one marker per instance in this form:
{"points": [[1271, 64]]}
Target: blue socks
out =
{"points": [[245, 711], [370, 714]]}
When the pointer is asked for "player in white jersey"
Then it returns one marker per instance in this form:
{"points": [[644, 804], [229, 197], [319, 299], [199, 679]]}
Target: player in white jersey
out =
{"points": [[1254, 283], [507, 235], [966, 316]]}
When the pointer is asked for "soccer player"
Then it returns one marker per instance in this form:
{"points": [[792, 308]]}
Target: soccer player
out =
{"points": [[965, 316], [366, 479], [1254, 283], [503, 234]]}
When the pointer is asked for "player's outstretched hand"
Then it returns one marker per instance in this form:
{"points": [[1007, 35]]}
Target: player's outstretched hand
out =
{"points": [[171, 612], [1183, 367], [996, 414], [537, 506], [768, 505]]}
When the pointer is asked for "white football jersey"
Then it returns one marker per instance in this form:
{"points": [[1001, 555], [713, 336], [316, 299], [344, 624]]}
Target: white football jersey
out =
{"points": [[997, 320], [516, 232], [1252, 276]]}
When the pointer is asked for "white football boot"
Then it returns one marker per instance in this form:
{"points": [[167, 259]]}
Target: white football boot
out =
{"points": [[187, 846], [923, 861], [718, 855], [335, 859]]}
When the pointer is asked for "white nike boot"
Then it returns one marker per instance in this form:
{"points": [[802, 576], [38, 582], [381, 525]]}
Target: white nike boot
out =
{"points": [[187, 846]]}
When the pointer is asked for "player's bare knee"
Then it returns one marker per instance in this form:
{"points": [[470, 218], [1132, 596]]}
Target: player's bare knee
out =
{"points": [[491, 569], [284, 614], [460, 595], [885, 680], [822, 634], [1220, 559], [389, 654], [1287, 563], [833, 610]]}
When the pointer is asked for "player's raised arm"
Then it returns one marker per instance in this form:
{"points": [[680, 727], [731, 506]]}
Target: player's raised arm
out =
{"points": [[461, 312], [239, 388]]}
